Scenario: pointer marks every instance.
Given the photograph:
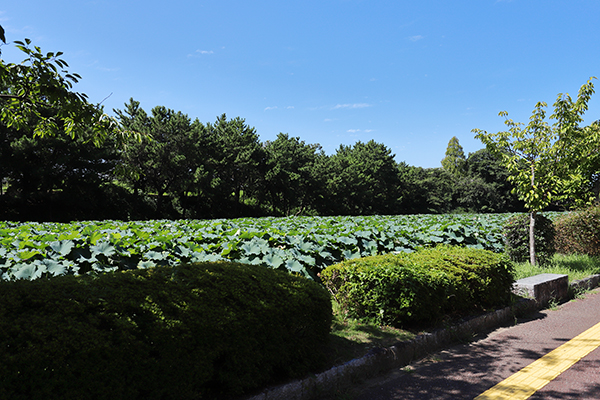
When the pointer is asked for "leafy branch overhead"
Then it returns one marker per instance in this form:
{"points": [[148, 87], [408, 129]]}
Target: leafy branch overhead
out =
{"points": [[38, 92]]}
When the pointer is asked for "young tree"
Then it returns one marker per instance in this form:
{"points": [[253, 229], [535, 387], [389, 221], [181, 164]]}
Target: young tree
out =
{"points": [[455, 160], [543, 160]]}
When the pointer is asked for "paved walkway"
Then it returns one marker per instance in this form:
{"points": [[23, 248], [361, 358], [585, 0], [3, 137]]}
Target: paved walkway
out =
{"points": [[493, 366]]}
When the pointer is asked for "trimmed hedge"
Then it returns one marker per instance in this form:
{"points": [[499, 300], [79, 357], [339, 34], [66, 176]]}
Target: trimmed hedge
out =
{"points": [[516, 238], [579, 232], [187, 332], [423, 286]]}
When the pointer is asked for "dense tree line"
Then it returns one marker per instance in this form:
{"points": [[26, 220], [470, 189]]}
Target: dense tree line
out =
{"points": [[183, 168]]}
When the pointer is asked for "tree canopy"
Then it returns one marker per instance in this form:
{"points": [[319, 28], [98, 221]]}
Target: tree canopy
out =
{"points": [[547, 163]]}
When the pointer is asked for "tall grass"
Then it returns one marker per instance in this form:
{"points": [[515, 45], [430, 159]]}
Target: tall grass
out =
{"points": [[575, 266]]}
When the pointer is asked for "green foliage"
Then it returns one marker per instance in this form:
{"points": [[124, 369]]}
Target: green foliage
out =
{"points": [[41, 82], [516, 238], [292, 180], [485, 187], [543, 159], [579, 232], [40, 165], [303, 245], [167, 161], [420, 287], [361, 180], [185, 332], [455, 160], [545, 162]]}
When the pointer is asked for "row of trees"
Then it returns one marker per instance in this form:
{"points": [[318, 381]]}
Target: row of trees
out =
{"points": [[165, 165], [186, 168]]}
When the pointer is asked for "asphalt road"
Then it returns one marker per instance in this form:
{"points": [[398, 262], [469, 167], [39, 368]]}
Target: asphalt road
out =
{"points": [[465, 371]]}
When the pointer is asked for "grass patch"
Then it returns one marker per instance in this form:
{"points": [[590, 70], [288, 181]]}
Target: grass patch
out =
{"points": [[350, 339], [575, 266]]}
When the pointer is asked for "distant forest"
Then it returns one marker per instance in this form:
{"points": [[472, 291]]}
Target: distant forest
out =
{"points": [[189, 169]]}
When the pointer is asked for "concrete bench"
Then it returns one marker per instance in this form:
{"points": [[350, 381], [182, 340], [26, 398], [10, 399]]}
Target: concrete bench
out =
{"points": [[543, 287]]}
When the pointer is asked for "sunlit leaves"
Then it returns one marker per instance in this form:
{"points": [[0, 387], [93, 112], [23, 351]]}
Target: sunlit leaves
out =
{"points": [[36, 93], [302, 245]]}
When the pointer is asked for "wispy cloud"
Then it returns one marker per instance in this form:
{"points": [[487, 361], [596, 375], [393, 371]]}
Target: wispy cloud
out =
{"points": [[416, 38], [359, 130], [199, 53], [355, 105], [270, 108]]}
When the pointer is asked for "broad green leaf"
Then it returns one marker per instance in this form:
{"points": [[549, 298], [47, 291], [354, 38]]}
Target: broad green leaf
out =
{"points": [[26, 271], [273, 260], [294, 265], [103, 248], [27, 254], [62, 247]]}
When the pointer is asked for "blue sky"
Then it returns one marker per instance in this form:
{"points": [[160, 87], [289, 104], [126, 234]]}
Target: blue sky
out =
{"points": [[408, 74]]}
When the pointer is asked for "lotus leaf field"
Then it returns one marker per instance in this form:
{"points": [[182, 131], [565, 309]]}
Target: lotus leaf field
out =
{"points": [[303, 245]]}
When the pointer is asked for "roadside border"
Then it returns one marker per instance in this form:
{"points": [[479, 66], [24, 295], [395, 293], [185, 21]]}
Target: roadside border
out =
{"points": [[381, 360]]}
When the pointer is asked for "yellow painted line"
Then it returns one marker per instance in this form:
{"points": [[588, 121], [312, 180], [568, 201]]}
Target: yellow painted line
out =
{"points": [[540, 372]]}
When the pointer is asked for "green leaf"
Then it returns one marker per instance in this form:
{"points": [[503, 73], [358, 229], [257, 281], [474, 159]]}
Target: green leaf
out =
{"points": [[26, 271], [62, 247], [294, 265], [146, 264], [27, 254], [155, 255], [94, 237], [349, 254], [273, 260], [103, 248], [54, 268]]}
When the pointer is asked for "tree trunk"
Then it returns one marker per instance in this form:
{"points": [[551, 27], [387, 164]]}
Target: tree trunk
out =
{"points": [[532, 213], [532, 258]]}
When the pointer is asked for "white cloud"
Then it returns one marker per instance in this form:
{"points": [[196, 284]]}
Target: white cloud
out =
{"points": [[199, 53], [353, 130], [290, 107], [270, 108], [355, 105], [416, 38]]}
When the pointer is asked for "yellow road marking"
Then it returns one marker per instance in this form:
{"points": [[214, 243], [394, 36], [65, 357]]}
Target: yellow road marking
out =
{"points": [[539, 373]]}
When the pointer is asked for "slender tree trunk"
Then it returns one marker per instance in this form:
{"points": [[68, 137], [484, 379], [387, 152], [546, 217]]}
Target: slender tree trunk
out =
{"points": [[532, 258]]}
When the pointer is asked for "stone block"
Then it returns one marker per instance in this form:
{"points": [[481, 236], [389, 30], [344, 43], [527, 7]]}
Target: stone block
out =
{"points": [[543, 287]]}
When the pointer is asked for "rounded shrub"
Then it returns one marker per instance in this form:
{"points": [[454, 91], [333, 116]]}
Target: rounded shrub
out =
{"points": [[423, 286], [579, 232], [516, 238], [187, 332]]}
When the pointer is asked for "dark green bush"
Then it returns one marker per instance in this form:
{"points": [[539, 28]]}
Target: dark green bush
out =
{"points": [[516, 238], [418, 287], [187, 332], [579, 232]]}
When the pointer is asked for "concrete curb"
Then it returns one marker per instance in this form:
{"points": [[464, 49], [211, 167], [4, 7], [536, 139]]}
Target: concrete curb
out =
{"points": [[381, 360]]}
